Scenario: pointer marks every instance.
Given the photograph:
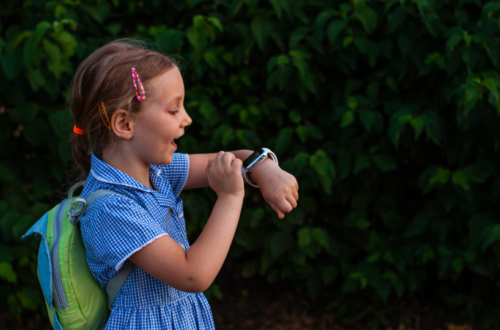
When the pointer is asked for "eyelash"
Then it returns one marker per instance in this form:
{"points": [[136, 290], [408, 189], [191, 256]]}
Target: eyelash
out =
{"points": [[173, 112]]}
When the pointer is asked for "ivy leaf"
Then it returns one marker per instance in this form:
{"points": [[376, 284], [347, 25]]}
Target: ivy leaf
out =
{"points": [[197, 37], [490, 234], [334, 29], [347, 119], [210, 58], [7, 272], [297, 36], [280, 243], [299, 162], [321, 236], [457, 265], [261, 30], [304, 237], [54, 58], [329, 274], [24, 112], [248, 138], [170, 41], [385, 163], [367, 17], [295, 116], [6, 174], [322, 164], [359, 276], [417, 226], [11, 64], [418, 126], [302, 132], [367, 118], [362, 162], [216, 22], [395, 281], [352, 102], [374, 257], [441, 176], [283, 141], [36, 132], [460, 178], [249, 269]]}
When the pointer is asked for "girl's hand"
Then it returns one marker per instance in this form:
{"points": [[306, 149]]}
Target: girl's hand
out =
{"points": [[224, 175], [279, 188]]}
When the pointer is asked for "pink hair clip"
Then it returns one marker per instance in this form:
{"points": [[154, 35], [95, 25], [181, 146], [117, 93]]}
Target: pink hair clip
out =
{"points": [[142, 95]]}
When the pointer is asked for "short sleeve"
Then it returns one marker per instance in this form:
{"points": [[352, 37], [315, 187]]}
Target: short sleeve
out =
{"points": [[115, 227], [176, 172]]}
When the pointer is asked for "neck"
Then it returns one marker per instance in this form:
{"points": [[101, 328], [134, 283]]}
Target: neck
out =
{"points": [[121, 157]]}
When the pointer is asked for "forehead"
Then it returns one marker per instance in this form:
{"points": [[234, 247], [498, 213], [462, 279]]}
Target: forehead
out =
{"points": [[168, 86]]}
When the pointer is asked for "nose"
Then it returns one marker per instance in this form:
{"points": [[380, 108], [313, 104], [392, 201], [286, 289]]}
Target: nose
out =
{"points": [[186, 121]]}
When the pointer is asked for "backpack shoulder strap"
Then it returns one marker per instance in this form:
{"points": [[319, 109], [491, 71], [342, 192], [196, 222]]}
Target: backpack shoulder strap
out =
{"points": [[116, 282], [79, 206], [98, 193]]}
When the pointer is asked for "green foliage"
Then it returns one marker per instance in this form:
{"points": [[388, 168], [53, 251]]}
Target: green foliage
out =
{"points": [[387, 112]]}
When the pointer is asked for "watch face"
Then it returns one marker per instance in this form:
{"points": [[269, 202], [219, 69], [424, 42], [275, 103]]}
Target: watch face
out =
{"points": [[255, 155]]}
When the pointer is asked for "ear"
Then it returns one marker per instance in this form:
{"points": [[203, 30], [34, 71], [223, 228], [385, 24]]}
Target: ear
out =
{"points": [[121, 124]]}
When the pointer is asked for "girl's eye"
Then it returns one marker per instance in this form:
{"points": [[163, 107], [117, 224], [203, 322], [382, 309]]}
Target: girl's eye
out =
{"points": [[174, 112]]}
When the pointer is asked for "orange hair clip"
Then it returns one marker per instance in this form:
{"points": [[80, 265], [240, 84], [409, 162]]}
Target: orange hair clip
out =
{"points": [[79, 131], [108, 124]]}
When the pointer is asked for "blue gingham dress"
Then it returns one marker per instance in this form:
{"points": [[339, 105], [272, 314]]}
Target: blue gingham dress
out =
{"points": [[116, 226]]}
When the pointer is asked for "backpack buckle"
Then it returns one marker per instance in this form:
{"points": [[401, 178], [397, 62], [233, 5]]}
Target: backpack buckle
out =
{"points": [[76, 209]]}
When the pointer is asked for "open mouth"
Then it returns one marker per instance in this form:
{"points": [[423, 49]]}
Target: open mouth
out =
{"points": [[173, 141]]}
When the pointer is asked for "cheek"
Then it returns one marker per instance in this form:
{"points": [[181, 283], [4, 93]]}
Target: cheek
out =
{"points": [[149, 129]]}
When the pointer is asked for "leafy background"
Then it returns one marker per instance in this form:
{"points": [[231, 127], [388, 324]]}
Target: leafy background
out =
{"points": [[387, 112]]}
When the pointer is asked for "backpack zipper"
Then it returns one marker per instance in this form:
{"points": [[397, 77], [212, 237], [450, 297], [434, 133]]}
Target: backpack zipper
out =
{"points": [[59, 296]]}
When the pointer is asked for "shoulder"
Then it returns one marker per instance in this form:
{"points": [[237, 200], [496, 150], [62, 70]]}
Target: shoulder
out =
{"points": [[114, 203]]}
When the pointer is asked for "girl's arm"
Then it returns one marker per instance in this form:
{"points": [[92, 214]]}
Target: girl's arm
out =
{"points": [[197, 177], [195, 269], [279, 188]]}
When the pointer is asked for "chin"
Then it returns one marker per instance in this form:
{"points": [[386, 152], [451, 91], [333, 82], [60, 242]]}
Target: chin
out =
{"points": [[162, 161], [167, 160]]}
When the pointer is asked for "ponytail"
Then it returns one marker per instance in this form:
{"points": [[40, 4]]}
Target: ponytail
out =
{"points": [[81, 152]]}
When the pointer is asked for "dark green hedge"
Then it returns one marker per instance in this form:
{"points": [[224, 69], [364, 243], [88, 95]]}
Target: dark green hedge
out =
{"points": [[387, 112]]}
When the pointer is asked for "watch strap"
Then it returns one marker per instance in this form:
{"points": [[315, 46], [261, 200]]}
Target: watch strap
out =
{"points": [[244, 171]]}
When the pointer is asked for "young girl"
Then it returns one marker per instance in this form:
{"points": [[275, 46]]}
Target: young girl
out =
{"points": [[127, 103]]}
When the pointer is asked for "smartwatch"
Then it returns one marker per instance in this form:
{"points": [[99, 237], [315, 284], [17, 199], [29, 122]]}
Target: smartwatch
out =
{"points": [[257, 157]]}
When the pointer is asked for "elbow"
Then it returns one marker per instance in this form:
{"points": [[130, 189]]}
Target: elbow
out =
{"points": [[198, 284]]}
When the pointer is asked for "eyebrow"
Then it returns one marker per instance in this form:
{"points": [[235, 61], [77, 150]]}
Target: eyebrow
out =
{"points": [[175, 99]]}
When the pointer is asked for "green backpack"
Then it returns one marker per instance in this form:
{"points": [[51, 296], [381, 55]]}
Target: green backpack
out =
{"points": [[74, 298]]}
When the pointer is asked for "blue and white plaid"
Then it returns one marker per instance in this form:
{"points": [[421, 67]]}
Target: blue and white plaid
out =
{"points": [[116, 226]]}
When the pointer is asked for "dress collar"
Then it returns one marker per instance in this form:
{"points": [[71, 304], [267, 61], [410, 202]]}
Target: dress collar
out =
{"points": [[106, 173]]}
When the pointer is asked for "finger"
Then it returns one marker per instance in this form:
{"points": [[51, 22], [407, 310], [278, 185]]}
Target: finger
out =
{"points": [[285, 206], [218, 159], [276, 209], [237, 164], [291, 200], [227, 159], [295, 194]]}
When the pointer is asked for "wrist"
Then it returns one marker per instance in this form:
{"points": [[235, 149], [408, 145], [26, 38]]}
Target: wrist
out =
{"points": [[231, 197], [260, 172]]}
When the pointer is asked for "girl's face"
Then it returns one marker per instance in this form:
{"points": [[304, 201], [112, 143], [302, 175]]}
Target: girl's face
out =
{"points": [[162, 120]]}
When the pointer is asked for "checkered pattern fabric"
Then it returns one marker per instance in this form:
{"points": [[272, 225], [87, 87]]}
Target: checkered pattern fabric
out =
{"points": [[116, 226]]}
